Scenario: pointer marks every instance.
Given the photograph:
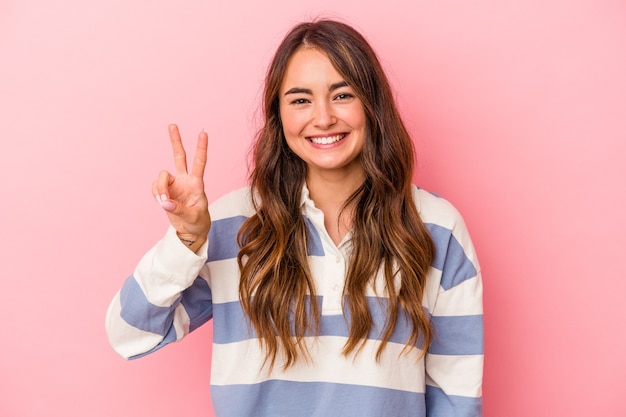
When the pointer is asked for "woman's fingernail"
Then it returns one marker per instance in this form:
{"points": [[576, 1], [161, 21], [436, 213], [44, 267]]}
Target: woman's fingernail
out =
{"points": [[163, 197], [167, 205]]}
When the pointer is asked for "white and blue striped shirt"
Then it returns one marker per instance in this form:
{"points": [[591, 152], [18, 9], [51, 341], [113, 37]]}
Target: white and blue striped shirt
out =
{"points": [[174, 291]]}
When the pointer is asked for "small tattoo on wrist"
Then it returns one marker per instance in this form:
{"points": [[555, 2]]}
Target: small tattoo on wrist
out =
{"points": [[187, 242]]}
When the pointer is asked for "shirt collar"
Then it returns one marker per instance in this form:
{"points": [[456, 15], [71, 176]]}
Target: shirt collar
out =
{"points": [[305, 200]]}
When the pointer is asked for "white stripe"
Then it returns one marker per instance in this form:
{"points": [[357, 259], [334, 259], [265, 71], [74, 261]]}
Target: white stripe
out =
{"points": [[238, 363], [431, 291], [461, 300], [224, 282], [235, 203], [181, 322], [460, 375], [223, 278], [435, 209], [168, 269]]}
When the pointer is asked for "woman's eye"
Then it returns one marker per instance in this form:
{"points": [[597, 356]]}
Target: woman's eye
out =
{"points": [[343, 96], [300, 101]]}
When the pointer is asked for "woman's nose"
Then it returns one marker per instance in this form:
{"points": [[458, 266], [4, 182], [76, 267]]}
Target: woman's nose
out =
{"points": [[323, 116]]}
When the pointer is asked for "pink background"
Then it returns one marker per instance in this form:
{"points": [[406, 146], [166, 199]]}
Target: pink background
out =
{"points": [[518, 110]]}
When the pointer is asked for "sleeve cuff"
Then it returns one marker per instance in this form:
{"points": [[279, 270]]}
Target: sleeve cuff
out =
{"points": [[174, 261]]}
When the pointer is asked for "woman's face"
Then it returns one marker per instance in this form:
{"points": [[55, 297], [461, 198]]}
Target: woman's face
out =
{"points": [[323, 121]]}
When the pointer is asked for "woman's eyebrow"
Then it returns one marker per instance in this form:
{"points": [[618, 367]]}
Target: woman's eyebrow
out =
{"points": [[299, 90], [335, 86]]}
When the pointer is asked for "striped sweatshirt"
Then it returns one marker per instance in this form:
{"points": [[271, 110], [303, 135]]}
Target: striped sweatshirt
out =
{"points": [[174, 291]]}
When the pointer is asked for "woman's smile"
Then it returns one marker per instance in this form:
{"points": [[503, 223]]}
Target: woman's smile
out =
{"points": [[326, 140]]}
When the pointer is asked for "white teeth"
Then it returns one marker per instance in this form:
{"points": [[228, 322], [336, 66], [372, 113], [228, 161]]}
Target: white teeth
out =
{"points": [[327, 140]]}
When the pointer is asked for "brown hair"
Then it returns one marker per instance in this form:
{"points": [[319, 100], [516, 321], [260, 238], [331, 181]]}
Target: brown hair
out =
{"points": [[277, 290]]}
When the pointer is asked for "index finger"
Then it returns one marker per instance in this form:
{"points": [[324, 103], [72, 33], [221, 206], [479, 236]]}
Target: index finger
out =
{"points": [[180, 157], [199, 160]]}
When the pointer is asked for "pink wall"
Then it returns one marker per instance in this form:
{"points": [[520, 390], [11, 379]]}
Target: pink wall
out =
{"points": [[519, 111]]}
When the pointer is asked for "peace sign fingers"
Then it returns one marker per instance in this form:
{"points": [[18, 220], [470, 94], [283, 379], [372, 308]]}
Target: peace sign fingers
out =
{"points": [[180, 157]]}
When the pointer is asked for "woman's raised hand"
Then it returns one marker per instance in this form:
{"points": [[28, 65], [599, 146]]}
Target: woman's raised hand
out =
{"points": [[182, 195]]}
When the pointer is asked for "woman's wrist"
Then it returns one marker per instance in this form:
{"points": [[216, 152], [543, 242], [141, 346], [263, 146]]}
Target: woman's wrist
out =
{"points": [[186, 241], [193, 242]]}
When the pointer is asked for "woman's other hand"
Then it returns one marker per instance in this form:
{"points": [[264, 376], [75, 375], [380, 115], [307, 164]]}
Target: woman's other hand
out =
{"points": [[182, 195]]}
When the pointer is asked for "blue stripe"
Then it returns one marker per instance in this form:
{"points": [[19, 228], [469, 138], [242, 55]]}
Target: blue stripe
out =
{"points": [[278, 398], [454, 335], [223, 239], [230, 325], [450, 257], [378, 309], [140, 313], [438, 404], [314, 242], [198, 303], [457, 335], [169, 338]]}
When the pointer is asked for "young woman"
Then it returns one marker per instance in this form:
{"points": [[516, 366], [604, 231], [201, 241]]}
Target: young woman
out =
{"points": [[336, 287]]}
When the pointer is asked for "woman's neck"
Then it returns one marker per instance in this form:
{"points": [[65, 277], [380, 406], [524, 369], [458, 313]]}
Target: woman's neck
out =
{"points": [[330, 194]]}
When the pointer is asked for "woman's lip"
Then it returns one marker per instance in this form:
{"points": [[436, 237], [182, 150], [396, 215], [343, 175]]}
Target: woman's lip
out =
{"points": [[326, 139]]}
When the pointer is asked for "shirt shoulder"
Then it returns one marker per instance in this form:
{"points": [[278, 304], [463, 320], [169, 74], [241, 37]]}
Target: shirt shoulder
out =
{"points": [[237, 203], [448, 230], [434, 209]]}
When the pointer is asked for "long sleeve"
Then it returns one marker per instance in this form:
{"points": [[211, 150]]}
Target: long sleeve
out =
{"points": [[454, 360], [165, 298]]}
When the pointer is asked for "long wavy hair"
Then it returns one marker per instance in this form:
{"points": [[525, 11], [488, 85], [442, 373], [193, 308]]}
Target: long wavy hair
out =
{"points": [[277, 290]]}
